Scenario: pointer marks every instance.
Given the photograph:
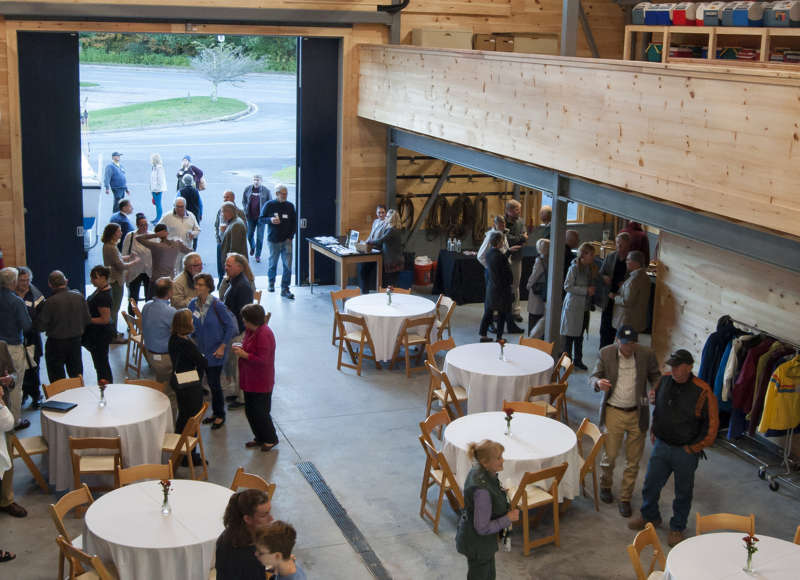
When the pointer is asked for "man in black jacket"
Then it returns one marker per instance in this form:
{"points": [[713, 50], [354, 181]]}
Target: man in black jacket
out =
{"points": [[281, 219], [499, 278]]}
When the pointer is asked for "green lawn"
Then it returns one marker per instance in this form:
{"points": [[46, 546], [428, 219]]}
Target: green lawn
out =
{"points": [[167, 111], [85, 85], [286, 175]]}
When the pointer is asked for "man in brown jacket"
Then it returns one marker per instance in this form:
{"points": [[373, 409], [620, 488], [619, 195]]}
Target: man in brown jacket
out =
{"points": [[633, 298], [622, 372]]}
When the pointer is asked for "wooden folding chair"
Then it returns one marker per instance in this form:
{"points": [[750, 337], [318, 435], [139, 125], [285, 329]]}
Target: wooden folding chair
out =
{"points": [[252, 481], [532, 408], [95, 464], [438, 472], [797, 535], [647, 537], [557, 399], [360, 336], [24, 448], [134, 352], [527, 496], [78, 498], [155, 385], [396, 290], [445, 306], [451, 397], [541, 345], [562, 369], [181, 445], [257, 297], [434, 348], [406, 339], [338, 296], [714, 522], [436, 421], [80, 560], [143, 472], [62, 385], [588, 461]]}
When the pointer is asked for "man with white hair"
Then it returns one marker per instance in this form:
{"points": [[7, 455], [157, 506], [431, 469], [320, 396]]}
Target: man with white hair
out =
{"points": [[183, 285], [182, 226], [14, 322]]}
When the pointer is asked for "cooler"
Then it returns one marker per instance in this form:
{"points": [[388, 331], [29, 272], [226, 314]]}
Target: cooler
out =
{"points": [[638, 12], [423, 271], [747, 14], [699, 14], [712, 13], [782, 14], [684, 14], [659, 14]]}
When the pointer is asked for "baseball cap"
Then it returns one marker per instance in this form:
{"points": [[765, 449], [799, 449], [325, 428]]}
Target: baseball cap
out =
{"points": [[187, 158], [680, 357], [627, 334], [116, 154]]}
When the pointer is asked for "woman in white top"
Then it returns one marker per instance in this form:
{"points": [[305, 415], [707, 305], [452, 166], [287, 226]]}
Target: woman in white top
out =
{"points": [[140, 273], [158, 183]]}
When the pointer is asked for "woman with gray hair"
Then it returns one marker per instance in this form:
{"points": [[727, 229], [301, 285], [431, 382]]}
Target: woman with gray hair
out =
{"points": [[33, 299], [537, 286], [391, 244]]}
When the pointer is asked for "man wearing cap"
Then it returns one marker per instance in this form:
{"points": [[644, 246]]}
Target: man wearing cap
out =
{"points": [[115, 181], [622, 372], [685, 422]]}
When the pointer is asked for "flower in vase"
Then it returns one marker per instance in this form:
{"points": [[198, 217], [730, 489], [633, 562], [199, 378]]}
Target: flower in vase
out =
{"points": [[389, 289], [166, 485], [750, 544], [509, 413], [102, 384]]}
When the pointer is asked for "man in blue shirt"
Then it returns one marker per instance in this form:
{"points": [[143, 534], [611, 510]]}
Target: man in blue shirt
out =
{"points": [[121, 218], [14, 322], [157, 317], [114, 179]]}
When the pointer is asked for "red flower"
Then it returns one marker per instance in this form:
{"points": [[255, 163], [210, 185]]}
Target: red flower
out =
{"points": [[509, 412], [166, 484], [502, 342]]}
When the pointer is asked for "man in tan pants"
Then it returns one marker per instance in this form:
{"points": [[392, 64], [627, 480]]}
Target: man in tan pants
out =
{"points": [[622, 372]]}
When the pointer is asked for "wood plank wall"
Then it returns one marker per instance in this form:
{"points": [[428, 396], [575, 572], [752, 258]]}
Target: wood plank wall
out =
{"points": [[12, 235], [724, 143], [698, 283]]}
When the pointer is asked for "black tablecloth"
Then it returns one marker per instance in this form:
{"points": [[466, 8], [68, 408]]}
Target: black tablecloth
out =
{"points": [[463, 278]]}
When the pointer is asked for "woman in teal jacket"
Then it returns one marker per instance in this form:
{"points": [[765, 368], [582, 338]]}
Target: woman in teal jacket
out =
{"points": [[486, 510], [214, 329]]}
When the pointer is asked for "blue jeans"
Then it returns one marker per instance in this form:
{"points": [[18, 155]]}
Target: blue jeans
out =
{"points": [[669, 459], [284, 250], [255, 228], [217, 398], [118, 193], [157, 203]]}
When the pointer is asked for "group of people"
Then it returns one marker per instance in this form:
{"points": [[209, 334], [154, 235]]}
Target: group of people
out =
{"points": [[236, 230]]}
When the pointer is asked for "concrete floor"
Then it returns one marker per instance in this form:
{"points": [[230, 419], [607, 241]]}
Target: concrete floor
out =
{"points": [[361, 434]]}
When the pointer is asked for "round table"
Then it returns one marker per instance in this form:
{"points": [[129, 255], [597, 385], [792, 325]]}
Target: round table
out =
{"points": [[126, 528], [722, 555], [384, 320], [489, 380], [535, 443], [138, 415]]}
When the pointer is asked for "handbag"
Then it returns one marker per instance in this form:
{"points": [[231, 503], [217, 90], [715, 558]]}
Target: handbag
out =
{"points": [[201, 185], [183, 380]]}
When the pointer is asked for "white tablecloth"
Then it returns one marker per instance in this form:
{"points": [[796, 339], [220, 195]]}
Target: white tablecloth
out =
{"points": [[384, 321], [722, 555], [139, 415], [535, 443], [489, 380], [126, 528]]}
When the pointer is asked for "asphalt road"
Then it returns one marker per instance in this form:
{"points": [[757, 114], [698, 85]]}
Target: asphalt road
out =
{"points": [[229, 153]]}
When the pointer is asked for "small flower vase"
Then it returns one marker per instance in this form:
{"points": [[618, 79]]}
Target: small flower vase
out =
{"points": [[749, 566], [508, 428], [502, 352], [165, 507], [102, 402], [389, 298]]}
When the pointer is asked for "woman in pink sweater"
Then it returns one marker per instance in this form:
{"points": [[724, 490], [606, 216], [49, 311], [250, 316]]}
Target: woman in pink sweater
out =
{"points": [[257, 375]]}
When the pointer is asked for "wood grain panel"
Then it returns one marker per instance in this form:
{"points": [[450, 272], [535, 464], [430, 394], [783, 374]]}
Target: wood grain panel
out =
{"points": [[698, 283], [725, 144]]}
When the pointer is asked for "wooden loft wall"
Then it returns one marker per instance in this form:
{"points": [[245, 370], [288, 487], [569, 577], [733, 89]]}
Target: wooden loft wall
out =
{"points": [[12, 233], [698, 283], [719, 142]]}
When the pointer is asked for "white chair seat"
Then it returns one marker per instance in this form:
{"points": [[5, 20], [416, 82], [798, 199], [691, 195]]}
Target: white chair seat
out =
{"points": [[171, 441], [77, 541], [416, 338], [88, 576], [460, 392], [657, 575], [438, 476], [355, 335], [33, 445], [90, 463], [536, 495]]}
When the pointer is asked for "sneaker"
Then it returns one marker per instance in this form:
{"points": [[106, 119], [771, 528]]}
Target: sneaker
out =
{"points": [[638, 523], [258, 259], [271, 288], [252, 251], [674, 538], [514, 329], [581, 366], [606, 496], [625, 509], [287, 294]]}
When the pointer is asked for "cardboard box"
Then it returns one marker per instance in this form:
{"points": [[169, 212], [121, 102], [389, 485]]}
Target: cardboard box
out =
{"points": [[505, 43], [434, 38], [536, 43], [484, 42]]}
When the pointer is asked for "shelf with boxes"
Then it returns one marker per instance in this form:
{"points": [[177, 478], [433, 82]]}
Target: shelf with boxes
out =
{"points": [[531, 42]]}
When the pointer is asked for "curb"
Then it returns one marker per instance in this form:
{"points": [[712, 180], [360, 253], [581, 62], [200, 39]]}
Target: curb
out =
{"points": [[252, 108]]}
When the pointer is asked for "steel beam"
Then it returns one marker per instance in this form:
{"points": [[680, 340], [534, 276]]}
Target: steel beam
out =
{"points": [[197, 14], [555, 268], [569, 27], [431, 200], [587, 31]]}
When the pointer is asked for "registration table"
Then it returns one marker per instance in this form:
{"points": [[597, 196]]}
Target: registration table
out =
{"points": [[722, 555], [488, 380], [125, 528], [535, 443], [138, 415], [384, 320]]}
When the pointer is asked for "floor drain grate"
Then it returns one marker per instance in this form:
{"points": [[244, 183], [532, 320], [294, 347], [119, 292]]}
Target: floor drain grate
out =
{"points": [[346, 525]]}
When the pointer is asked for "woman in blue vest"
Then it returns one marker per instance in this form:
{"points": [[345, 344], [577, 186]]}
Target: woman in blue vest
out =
{"points": [[486, 510]]}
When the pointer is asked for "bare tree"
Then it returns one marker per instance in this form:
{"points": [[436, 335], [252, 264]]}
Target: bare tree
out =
{"points": [[223, 63]]}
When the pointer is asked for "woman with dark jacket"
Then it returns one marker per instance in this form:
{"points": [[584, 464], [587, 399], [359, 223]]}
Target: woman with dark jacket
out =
{"points": [[248, 512], [486, 510], [537, 285], [34, 300], [99, 332], [185, 359], [390, 241], [214, 329], [497, 306], [118, 265], [581, 283], [256, 356]]}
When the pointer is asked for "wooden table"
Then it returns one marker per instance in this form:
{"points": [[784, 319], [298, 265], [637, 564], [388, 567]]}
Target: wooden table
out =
{"points": [[343, 261]]}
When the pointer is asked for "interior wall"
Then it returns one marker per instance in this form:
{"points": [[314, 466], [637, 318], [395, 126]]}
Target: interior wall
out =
{"points": [[698, 283], [12, 231]]}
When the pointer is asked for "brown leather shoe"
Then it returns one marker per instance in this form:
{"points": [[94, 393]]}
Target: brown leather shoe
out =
{"points": [[15, 510], [674, 538], [638, 523]]}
